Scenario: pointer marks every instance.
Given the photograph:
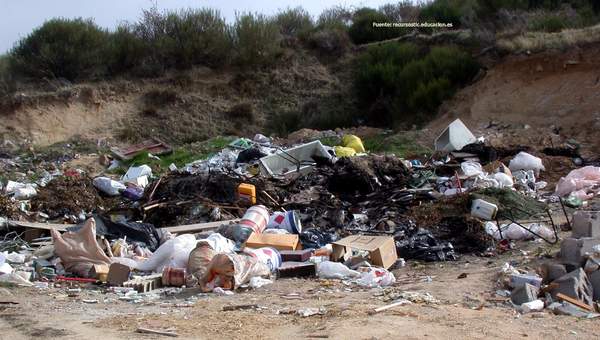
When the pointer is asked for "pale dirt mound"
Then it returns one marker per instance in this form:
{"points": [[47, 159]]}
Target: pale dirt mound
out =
{"points": [[548, 91], [200, 108]]}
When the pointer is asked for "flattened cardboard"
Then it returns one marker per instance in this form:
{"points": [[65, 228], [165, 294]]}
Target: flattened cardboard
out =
{"points": [[382, 249], [277, 241]]}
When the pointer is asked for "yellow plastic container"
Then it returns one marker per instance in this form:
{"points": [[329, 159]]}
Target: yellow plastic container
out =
{"points": [[247, 192]]}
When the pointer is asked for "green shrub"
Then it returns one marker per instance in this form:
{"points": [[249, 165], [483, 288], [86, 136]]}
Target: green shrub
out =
{"points": [[444, 11], [362, 30], [125, 50], [337, 17], [399, 84], [548, 23], [185, 38], [330, 41], [256, 40], [67, 48], [294, 21]]}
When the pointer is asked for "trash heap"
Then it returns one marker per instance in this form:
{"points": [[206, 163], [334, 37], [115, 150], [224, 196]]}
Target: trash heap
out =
{"points": [[257, 211]]}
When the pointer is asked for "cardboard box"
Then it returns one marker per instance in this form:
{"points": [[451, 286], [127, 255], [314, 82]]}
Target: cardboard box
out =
{"points": [[277, 241], [382, 249]]}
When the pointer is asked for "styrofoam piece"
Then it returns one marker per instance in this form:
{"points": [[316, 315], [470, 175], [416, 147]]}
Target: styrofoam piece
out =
{"points": [[292, 160], [454, 137]]}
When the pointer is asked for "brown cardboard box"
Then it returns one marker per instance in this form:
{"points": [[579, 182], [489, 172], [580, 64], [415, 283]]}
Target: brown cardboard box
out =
{"points": [[382, 249], [277, 241]]}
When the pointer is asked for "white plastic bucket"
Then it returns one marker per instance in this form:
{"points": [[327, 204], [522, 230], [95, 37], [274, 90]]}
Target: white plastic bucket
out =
{"points": [[289, 221], [267, 255], [256, 218]]}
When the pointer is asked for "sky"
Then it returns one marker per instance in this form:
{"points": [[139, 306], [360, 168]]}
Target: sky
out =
{"points": [[19, 17]]}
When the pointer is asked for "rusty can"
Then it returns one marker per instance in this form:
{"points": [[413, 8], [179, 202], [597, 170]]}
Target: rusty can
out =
{"points": [[173, 277]]}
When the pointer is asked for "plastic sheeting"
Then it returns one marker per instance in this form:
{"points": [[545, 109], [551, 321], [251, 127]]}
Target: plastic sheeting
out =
{"points": [[144, 233], [79, 251], [580, 182], [424, 246], [173, 253]]}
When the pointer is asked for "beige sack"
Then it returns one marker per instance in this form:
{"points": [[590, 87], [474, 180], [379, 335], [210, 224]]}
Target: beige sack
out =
{"points": [[79, 251]]}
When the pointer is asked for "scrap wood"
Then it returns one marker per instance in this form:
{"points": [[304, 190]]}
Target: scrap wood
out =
{"points": [[35, 225], [238, 307], [198, 227], [574, 301], [392, 305], [153, 331]]}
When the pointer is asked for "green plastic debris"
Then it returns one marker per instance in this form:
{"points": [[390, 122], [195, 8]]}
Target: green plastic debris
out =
{"points": [[241, 143], [573, 202]]}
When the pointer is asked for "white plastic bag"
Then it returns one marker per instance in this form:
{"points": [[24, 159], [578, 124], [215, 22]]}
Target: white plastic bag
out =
{"points": [[108, 186], [525, 161], [504, 180], [335, 270], [471, 169], [376, 277], [173, 253], [515, 232]]}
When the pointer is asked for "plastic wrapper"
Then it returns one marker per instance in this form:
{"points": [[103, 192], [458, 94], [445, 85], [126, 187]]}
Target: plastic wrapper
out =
{"points": [[79, 250], [229, 271], [582, 179]]}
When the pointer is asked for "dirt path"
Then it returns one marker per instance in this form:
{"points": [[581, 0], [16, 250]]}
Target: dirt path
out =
{"points": [[468, 309]]}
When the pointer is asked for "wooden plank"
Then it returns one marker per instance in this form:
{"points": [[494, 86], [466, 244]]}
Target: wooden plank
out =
{"points": [[574, 301], [35, 225], [199, 227]]}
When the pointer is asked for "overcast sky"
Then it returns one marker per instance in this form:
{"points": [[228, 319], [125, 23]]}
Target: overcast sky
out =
{"points": [[19, 17]]}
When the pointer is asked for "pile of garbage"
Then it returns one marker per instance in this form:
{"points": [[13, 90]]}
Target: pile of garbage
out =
{"points": [[257, 211]]}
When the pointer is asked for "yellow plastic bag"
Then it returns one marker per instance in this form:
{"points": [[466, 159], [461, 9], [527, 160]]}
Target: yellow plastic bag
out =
{"points": [[342, 151], [352, 141]]}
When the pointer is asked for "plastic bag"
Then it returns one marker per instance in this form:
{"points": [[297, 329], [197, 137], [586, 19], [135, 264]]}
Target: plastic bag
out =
{"points": [[25, 192], [79, 251], [525, 161], [108, 186], [335, 270], [579, 179], [504, 180], [343, 151], [354, 142], [515, 232], [376, 277], [173, 253], [471, 169]]}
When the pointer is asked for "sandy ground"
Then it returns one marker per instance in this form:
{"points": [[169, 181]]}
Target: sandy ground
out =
{"points": [[468, 309]]}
